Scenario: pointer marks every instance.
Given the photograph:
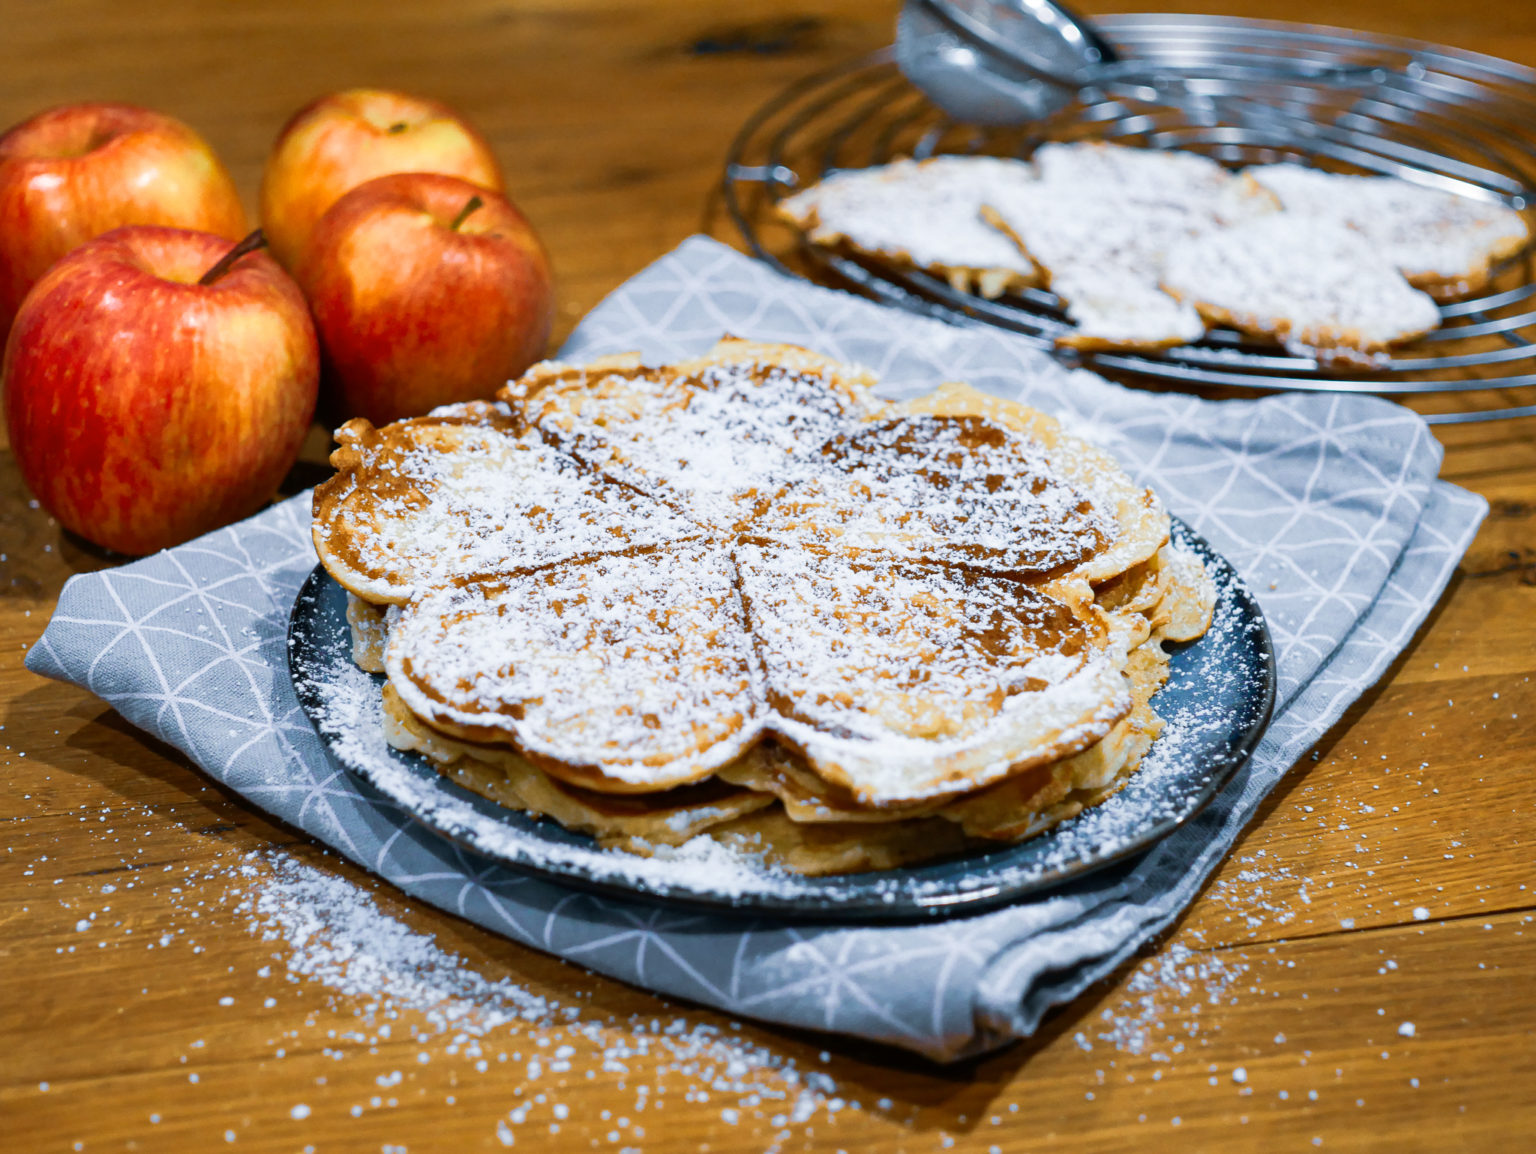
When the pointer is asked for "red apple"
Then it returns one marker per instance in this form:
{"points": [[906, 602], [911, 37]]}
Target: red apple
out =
{"points": [[425, 290], [346, 138], [75, 172], [145, 407]]}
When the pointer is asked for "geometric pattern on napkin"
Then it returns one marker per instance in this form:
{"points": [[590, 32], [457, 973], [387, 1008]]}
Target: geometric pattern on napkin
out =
{"points": [[1327, 505]]}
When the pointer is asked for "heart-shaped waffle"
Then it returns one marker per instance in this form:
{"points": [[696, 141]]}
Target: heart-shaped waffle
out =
{"points": [[900, 680], [631, 670], [747, 567], [467, 489], [715, 438]]}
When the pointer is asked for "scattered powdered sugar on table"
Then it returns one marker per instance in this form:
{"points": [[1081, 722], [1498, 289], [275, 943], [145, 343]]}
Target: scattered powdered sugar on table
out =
{"points": [[333, 932], [401, 983], [1260, 896], [337, 935], [1178, 978], [389, 984]]}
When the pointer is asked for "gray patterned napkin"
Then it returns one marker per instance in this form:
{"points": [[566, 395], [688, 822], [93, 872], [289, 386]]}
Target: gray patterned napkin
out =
{"points": [[1328, 506]]}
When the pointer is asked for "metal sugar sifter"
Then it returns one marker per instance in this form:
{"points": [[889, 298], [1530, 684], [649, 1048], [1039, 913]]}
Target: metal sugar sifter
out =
{"points": [[998, 61], [1001, 62]]}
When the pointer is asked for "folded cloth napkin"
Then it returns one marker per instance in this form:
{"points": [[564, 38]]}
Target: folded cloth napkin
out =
{"points": [[1327, 505]]}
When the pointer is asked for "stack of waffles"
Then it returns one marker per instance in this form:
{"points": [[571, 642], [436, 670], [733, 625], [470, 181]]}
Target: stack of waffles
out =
{"points": [[1146, 248], [740, 597]]}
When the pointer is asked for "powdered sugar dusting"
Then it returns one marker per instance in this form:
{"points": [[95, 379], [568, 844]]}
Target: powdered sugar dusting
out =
{"points": [[1430, 236], [337, 935], [1102, 221], [926, 211], [940, 675], [942, 488], [463, 491], [1218, 703], [1178, 976], [637, 662], [1312, 283], [717, 444], [400, 983]]}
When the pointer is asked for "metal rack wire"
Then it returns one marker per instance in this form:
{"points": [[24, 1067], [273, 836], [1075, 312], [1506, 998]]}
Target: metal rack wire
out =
{"points": [[1242, 92]]}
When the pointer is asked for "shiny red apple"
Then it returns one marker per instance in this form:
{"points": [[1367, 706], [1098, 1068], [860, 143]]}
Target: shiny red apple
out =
{"points": [[72, 173], [425, 290], [145, 406], [336, 143]]}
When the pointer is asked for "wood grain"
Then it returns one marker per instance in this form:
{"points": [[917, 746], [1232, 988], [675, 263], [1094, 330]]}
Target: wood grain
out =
{"points": [[1387, 880]]}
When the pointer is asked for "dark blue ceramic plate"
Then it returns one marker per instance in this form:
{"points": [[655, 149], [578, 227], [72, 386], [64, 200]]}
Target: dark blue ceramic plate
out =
{"points": [[1218, 698]]}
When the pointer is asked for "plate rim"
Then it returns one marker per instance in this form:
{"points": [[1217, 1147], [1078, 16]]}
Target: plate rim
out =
{"points": [[834, 897]]}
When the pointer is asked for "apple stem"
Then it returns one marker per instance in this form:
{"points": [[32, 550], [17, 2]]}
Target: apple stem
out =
{"points": [[251, 243], [474, 203]]}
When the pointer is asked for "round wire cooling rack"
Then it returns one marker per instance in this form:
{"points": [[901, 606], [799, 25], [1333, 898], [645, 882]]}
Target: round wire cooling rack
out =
{"points": [[1241, 92]]}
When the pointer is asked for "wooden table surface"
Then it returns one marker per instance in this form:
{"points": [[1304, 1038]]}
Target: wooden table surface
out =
{"points": [[1358, 975]]}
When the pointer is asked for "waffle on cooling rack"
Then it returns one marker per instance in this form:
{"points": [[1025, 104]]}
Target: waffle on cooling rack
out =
{"points": [[1147, 247], [741, 597]]}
